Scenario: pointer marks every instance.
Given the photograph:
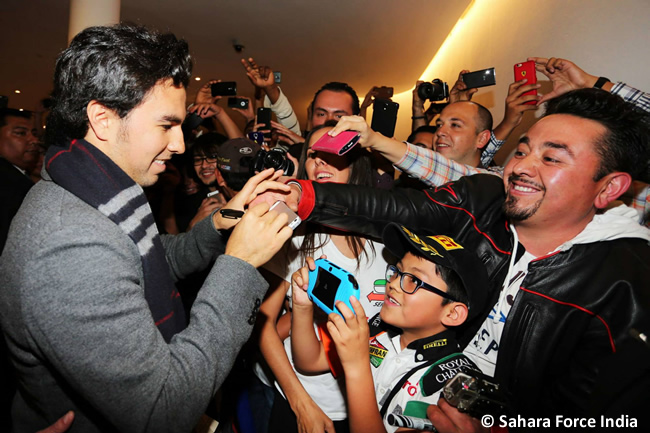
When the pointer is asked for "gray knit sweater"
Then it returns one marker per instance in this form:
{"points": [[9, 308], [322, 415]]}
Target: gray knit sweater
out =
{"points": [[81, 336]]}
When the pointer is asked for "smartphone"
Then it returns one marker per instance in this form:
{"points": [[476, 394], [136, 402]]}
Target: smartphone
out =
{"points": [[213, 193], [224, 88], [338, 145], [234, 102], [264, 116], [328, 284], [482, 78], [294, 219], [384, 117], [384, 92], [277, 77], [527, 70]]}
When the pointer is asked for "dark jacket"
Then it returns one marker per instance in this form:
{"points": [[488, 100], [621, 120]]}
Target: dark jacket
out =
{"points": [[14, 186], [573, 309]]}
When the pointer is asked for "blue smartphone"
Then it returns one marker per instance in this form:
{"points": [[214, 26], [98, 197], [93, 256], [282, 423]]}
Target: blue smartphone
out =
{"points": [[328, 284]]}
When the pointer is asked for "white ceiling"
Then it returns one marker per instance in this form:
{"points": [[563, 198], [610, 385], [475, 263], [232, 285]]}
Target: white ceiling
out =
{"points": [[361, 42]]}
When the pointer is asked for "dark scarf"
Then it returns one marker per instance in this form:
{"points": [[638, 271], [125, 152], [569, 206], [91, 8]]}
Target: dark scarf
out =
{"points": [[86, 172]]}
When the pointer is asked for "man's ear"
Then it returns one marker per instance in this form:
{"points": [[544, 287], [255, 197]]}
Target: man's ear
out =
{"points": [[483, 138], [613, 186], [100, 121], [454, 314]]}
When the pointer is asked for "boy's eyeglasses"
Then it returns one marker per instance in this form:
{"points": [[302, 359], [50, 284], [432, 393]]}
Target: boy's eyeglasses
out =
{"points": [[409, 283], [210, 159]]}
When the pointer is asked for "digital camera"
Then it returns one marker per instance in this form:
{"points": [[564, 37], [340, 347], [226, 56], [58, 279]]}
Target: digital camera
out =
{"points": [[476, 394], [436, 90], [275, 158]]}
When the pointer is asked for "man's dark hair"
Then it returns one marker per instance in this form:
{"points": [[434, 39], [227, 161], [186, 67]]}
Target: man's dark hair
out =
{"points": [[424, 128], [116, 66], [208, 143], [483, 118], [625, 147], [12, 112], [336, 86]]}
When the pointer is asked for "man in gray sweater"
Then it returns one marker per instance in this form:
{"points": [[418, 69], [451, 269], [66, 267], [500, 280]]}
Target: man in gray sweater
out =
{"points": [[88, 306]]}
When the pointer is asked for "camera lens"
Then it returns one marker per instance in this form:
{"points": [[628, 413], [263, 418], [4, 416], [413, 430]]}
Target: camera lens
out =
{"points": [[425, 91], [274, 160]]}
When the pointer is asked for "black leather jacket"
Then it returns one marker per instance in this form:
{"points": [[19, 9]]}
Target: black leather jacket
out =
{"points": [[573, 309]]}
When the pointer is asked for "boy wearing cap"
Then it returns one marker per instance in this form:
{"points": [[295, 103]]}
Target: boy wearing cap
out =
{"points": [[434, 288]]}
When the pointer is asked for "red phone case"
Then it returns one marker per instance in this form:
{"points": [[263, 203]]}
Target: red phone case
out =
{"points": [[339, 145], [527, 70]]}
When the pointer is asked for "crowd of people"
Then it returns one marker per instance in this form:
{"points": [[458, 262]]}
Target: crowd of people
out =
{"points": [[146, 281]]}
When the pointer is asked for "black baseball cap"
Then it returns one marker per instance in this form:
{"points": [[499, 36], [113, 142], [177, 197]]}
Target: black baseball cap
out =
{"points": [[444, 251], [236, 155]]}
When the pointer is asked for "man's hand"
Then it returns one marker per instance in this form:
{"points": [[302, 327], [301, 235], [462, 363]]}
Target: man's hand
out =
{"points": [[418, 104], [291, 198], [356, 123], [208, 205], [206, 110], [564, 75], [259, 235], [350, 336], [367, 101], [204, 95], [256, 185], [248, 113], [283, 131], [260, 76], [515, 107], [460, 92], [447, 419], [61, 425]]}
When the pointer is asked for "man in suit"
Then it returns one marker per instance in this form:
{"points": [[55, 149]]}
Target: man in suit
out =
{"points": [[18, 153]]}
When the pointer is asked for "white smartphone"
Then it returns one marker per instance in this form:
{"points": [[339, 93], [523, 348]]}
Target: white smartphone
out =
{"points": [[294, 219], [213, 193]]}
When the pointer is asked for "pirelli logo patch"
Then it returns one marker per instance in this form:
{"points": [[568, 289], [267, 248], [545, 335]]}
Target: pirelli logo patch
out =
{"points": [[446, 242], [437, 343], [377, 353]]}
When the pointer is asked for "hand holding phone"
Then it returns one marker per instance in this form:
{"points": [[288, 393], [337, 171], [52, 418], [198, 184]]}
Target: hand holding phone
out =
{"points": [[339, 145], [482, 78], [224, 88], [293, 220], [527, 70]]}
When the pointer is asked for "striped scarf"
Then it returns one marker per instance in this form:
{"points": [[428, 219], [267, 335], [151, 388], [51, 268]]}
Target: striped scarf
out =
{"points": [[89, 174]]}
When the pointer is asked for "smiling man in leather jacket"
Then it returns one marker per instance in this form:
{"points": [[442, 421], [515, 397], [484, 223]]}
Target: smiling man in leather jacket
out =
{"points": [[567, 281]]}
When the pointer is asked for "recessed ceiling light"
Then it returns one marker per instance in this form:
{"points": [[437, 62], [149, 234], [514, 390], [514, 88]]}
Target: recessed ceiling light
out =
{"points": [[16, 91], [20, 109], [197, 78]]}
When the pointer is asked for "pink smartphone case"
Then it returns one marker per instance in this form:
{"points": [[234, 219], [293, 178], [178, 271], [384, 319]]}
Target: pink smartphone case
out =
{"points": [[339, 145]]}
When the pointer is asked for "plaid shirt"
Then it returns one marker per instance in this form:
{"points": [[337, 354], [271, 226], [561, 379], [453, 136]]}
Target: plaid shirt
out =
{"points": [[434, 169], [630, 94]]}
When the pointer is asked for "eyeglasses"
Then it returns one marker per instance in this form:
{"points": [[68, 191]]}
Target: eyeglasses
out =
{"points": [[410, 284], [210, 159]]}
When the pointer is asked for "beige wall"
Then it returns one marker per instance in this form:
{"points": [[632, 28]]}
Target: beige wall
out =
{"points": [[604, 37]]}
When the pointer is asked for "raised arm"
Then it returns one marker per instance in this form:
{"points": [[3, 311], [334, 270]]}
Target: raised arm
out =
{"points": [[307, 350]]}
